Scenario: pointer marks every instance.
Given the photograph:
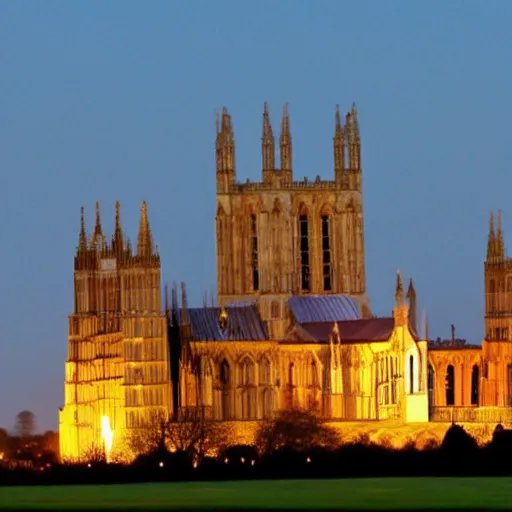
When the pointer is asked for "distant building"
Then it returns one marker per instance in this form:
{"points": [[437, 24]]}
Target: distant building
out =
{"points": [[473, 383]]}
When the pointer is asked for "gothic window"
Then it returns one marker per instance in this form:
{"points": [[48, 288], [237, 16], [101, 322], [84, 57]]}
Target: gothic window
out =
{"points": [[304, 253], [314, 374], [247, 372], [225, 380], [450, 385], [509, 375], [431, 377], [274, 309], [411, 374], [254, 254], [326, 253], [247, 380], [475, 377], [267, 403], [264, 372], [291, 375]]}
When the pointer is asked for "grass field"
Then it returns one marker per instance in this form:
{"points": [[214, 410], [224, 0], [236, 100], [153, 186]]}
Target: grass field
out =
{"points": [[377, 494]]}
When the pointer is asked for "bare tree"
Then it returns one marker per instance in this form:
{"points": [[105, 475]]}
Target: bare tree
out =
{"points": [[296, 429], [25, 424], [150, 436], [197, 436]]}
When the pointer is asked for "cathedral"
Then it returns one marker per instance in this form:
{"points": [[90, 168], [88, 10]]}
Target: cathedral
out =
{"points": [[292, 324]]}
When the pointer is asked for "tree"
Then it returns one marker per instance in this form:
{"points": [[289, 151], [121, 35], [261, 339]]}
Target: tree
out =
{"points": [[151, 436], [197, 436], [296, 429], [25, 424]]}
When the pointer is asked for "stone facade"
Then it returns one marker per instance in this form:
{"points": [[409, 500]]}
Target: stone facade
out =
{"points": [[278, 237], [117, 369], [474, 383]]}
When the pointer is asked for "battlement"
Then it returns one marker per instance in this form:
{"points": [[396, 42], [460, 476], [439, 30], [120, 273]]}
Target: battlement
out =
{"points": [[346, 152], [95, 252]]}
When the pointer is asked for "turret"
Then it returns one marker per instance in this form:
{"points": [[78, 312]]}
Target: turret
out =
{"points": [[495, 242], [354, 149], [400, 313], [225, 153], [117, 238], [267, 147], [411, 297], [339, 148], [98, 240], [285, 144]]}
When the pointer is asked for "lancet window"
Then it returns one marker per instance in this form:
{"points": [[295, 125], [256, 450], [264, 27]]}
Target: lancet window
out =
{"points": [[247, 380], [475, 378], [254, 254], [326, 253], [225, 381], [304, 252]]}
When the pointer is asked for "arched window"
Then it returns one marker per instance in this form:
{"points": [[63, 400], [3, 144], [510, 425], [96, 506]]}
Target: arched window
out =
{"points": [[254, 254], [264, 372], [450, 385], [247, 372], [314, 374], [411, 375], [326, 253], [225, 379], [475, 378], [291, 374], [247, 381], [267, 403], [304, 252]]}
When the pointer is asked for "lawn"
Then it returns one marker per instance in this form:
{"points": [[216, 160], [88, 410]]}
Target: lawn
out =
{"points": [[375, 493]]}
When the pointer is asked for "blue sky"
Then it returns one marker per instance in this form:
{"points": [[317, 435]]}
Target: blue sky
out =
{"points": [[115, 101]]}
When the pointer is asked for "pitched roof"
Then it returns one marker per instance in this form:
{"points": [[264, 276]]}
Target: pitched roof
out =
{"points": [[368, 329], [324, 308], [244, 324]]}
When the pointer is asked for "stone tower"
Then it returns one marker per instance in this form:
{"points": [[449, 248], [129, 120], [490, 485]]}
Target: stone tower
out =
{"points": [[281, 237], [498, 285], [118, 356]]}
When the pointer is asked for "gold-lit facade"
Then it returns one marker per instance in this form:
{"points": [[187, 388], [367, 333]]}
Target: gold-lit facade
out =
{"points": [[117, 370], [293, 325], [474, 383]]}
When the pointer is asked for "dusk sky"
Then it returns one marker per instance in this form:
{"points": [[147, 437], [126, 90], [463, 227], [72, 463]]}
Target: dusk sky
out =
{"points": [[106, 101]]}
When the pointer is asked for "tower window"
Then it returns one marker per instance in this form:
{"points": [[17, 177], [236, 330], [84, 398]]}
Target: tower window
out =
{"points": [[450, 386], [475, 378], [326, 253], [254, 254], [304, 253]]}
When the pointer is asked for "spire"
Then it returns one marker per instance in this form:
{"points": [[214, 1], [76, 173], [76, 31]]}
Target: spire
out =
{"points": [[225, 144], [117, 244], [82, 238], [267, 142], [339, 143], [353, 139], [491, 240], [411, 297], [495, 242], [97, 236], [399, 290], [500, 244], [286, 141], [184, 305], [97, 227], [144, 239]]}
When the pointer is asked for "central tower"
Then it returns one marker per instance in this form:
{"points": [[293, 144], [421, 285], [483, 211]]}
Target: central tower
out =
{"points": [[279, 237]]}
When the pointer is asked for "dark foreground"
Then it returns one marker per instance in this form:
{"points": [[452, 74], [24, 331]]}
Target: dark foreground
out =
{"points": [[358, 494]]}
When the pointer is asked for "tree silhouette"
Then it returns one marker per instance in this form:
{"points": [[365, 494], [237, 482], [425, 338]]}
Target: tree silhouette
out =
{"points": [[296, 429]]}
